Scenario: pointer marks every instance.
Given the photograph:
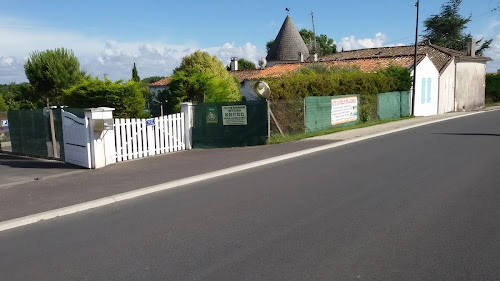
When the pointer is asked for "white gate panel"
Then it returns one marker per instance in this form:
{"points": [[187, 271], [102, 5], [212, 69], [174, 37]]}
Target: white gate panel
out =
{"points": [[139, 138], [76, 140]]}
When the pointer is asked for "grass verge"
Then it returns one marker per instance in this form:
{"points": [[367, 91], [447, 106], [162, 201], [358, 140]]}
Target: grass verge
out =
{"points": [[276, 138]]}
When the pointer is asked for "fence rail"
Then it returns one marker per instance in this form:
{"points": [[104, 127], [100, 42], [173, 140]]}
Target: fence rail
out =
{"points": [[137, 138]]}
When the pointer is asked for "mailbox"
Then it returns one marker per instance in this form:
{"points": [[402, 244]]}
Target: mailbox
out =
{"points": [[102, 124]]}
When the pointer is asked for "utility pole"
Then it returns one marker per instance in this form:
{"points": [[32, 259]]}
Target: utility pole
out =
{"points": [[314, 32], [415, 63]]}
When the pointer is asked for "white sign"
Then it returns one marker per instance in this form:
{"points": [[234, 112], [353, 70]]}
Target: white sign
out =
{"points": [[344, 110], [5, 123], [234, 115]]}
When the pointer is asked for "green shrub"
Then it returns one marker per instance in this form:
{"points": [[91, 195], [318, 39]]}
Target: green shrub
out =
{"points": [[126, 98], [321, 81], [492, 92], [402, 76]]}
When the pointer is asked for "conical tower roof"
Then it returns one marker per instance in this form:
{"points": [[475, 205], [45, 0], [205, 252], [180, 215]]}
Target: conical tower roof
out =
{"points": [[287, 44]]}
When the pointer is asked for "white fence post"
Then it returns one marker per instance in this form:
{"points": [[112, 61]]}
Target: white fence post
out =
{"points": [[187, 109]]}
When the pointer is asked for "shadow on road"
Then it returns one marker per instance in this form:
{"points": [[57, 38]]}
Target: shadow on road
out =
{"points": [[22, 162], [467, 134]]}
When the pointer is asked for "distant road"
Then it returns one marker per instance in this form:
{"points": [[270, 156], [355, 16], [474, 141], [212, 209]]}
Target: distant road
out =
{"points": [[420, 204]]}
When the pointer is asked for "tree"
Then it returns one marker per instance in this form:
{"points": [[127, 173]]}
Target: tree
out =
{"points": [[21, 96], [269, 44], [447, 29], [324, 45], [243, 64], [127, 98], [3, 106], [203, 78], [135, 76], [52, 71]]}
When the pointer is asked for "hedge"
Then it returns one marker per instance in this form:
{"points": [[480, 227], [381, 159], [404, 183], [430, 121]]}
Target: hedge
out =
{"points": [[322, 81], [126, 98], [492, 92]]}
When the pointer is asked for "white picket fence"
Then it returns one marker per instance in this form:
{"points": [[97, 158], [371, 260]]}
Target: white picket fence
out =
{"points": [[137, 138]]}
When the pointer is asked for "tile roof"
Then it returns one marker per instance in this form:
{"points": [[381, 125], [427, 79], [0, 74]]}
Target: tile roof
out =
{"points": [[244, 74], [288, 44], [163, 82], [373, 64], [278, 70], [439, 56]]}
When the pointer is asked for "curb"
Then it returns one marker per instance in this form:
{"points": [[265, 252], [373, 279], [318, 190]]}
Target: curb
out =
{"points": [[22, 221]]}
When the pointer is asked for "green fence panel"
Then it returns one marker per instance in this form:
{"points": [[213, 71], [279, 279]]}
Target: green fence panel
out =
{"points": [[393, 105], [209, 130], [389, 105], [29, 131], [319, 113], [405, 104]]}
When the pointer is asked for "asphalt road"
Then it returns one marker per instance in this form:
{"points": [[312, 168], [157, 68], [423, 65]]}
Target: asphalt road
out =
{"points": [[421, 204]]}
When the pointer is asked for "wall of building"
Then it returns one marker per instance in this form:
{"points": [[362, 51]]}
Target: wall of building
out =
{"points": [[470, 85], [153, 90], [426, 89], [447, 89]]}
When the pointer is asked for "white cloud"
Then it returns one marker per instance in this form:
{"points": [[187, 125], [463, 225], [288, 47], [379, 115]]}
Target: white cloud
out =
{"points": [[352, 43], [494, 53], [101, 57]]}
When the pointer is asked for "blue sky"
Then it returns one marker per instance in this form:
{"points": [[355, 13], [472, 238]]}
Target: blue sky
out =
{"points": [[109, 36]]}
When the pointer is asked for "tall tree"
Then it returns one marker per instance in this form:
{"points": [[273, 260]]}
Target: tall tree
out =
{"points": [[447, 29], [203, 78], [324, 45], [135, 75], [52, 71]]}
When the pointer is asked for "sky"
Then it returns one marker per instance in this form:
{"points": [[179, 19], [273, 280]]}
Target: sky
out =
{"points": [[108, 36]]}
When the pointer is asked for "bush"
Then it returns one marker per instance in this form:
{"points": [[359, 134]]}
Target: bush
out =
{"points": [[492, 92], [318, 81], [126, 98], [402, 76]]}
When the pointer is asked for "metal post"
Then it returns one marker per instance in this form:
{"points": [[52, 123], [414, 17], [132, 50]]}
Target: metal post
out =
{"points": [[415, 63]]}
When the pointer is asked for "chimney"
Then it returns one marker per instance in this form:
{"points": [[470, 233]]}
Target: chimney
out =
{"points": [[471, 47], [301, 57], [313, 57], [234, 64]]}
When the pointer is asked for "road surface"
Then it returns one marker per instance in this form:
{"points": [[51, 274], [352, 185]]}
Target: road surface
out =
{"points": [[421, 204]]}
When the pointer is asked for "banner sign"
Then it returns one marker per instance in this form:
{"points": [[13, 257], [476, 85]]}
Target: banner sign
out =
{"points": [[344, 110], [234, 115]]}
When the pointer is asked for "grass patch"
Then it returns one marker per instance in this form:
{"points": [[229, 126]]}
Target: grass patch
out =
{"points": [[275, 139]]}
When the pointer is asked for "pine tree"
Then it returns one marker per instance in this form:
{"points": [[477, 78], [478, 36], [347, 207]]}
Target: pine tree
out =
{"points": [[135, 75]]}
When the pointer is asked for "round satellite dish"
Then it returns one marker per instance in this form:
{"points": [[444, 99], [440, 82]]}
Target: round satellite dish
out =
{"points": [[262, 89]]}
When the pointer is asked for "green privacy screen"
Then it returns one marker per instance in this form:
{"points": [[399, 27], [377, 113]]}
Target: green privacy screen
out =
{"points": [[230, 124], [326, 112], [393, 105], [30, 131]]}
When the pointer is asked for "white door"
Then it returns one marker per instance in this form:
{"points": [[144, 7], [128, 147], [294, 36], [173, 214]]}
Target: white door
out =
{"points": [[76, 140]]}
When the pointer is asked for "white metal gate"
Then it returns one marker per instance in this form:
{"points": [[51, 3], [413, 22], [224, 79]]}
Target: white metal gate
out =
{"points": [[76, 139], [137, 138]]}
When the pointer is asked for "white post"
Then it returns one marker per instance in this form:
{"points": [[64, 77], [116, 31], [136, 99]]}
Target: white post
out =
{"points": [[187, 109], [102, 136]]}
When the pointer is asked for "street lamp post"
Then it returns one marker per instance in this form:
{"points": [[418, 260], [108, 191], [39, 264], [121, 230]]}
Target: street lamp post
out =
{"points": [[415, 63]]}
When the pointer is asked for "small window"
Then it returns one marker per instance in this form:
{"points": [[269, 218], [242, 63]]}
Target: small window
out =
{"points": [[422, 95], [429, 89]]}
